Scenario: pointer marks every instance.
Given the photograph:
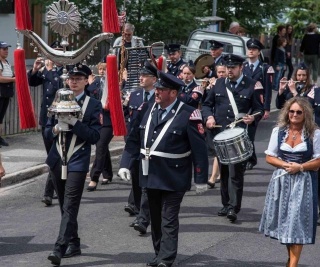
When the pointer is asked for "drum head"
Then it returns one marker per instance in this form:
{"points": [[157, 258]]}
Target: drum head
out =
{"points": [[229, 134]]}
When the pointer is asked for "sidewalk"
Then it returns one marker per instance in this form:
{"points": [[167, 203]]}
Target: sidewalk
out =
{"points": [[25, 156]]}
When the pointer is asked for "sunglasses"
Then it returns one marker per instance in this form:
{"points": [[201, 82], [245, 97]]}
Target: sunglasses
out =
{"points": [[299, 112]]}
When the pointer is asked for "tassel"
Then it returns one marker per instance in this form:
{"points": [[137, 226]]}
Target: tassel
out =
{"points": [[160, 62], [22, 15], [110, 21], [26, 110], [115, 105]]}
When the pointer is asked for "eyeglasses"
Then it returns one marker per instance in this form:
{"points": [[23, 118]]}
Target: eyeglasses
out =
{"points": [[299, 112], [76, 80]]}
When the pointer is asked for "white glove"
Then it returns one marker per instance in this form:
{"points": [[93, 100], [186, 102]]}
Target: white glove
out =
{"points": [[61, 126], [68, 119], [124, 174], [201, 188]]}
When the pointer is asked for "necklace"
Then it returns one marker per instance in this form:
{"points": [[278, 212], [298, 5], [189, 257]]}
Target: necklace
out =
{"points": [[294, 135]]}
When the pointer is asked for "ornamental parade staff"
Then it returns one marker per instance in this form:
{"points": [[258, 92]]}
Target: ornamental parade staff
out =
{"points": [[85, 133], [170, 137], [217, 109]]}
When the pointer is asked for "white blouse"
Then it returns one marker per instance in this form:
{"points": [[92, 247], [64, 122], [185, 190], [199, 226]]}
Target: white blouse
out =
{"points": [[273, 144]]}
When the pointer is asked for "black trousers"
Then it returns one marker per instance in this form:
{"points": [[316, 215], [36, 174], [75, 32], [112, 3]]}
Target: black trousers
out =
{"points": [[69, 193], [290, 67], [164, 213], [4, 103], [231, 185], [102, 162], [49, 188], [251, 134]]}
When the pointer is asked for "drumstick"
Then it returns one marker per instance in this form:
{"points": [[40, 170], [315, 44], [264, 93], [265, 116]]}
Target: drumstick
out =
{"points": [[287, 172], [235, 122]]}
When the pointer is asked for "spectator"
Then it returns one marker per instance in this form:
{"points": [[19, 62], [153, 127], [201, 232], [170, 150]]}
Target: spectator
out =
{"points": [[289, 37], [234, 27], [310, 50], [6, 85], [281, 32], [279, 62], [290, 210]]}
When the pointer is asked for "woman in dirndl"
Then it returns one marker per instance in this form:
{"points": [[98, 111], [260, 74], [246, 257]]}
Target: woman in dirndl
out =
{"points": [[290, 210]]}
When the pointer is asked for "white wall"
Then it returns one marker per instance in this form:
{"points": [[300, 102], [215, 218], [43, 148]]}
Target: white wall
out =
{"points": [[8, 33]]}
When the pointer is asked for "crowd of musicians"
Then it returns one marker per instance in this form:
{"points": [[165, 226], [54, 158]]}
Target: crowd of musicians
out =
{"points": [[172, 122]]}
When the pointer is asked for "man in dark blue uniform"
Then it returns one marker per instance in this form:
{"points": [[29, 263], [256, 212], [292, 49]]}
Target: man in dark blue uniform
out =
{"points": [[48, 75], [170, 141], [176, 62], [216, 50], [217, 110], [138, 200], [81, 135], [263, 73]]}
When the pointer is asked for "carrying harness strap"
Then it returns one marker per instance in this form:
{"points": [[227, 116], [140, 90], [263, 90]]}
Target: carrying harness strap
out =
{"points": [[232, 101], [72, 148], [151, 151]]}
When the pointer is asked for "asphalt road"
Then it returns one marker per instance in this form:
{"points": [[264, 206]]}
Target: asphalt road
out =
{"points": [[29, 230]]}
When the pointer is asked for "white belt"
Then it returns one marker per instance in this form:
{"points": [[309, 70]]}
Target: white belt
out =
{"points": [[166, 155]]}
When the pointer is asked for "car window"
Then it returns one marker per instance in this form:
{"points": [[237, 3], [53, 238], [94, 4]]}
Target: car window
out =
{"points": [[205, 44]]}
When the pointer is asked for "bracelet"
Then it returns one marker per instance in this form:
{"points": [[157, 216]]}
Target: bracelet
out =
{"points": [[301, 168]]}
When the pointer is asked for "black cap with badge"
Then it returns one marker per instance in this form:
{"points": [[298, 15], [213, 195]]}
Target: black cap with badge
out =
{"points": [[232, 60], [215, 44], [148, 69], [172, 48], [168, 81], [302, 66], [254, 43], [80, 70]]}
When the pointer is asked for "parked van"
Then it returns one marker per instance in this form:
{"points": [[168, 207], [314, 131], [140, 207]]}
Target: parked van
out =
{"points": [[198, 44]]}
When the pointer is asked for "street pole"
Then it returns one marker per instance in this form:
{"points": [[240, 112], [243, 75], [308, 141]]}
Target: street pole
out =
{"points": [[214, 8]]}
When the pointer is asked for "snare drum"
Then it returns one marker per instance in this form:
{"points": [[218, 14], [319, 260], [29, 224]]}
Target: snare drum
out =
{"points": [[233, 146]]}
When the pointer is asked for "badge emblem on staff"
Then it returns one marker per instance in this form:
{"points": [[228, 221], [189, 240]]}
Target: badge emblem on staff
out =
{"points": [[64, 18]]}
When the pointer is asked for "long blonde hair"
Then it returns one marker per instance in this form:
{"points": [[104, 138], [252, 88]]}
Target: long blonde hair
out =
{"points": [[308, 124]]}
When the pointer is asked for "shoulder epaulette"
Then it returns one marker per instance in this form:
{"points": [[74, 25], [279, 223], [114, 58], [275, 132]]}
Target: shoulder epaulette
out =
{"points": [[196, 115], [270, 70], [258, 86], [198, 89]]}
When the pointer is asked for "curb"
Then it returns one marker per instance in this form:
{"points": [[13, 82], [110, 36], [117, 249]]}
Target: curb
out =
{"points": [[31, 172]]}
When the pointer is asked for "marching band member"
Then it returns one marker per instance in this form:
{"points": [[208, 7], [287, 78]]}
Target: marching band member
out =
{"points": [[83, 133], [262, 72], [216, 49], [217, 110], [191, 93], [176, 62], [138, 200], [171, 138], [300, 85], [47, 74]]}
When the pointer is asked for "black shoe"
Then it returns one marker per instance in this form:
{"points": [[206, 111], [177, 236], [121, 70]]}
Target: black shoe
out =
{"points": [[161, 264], [47, 200], [211, 185], [54, 258], [152, 263], [106, 181], [130, 209], [133, 223], [3, 142], [232, 216], [139, 227], [91, 188], [55, 196], [250, 166], [72, 251], [223, 211]]}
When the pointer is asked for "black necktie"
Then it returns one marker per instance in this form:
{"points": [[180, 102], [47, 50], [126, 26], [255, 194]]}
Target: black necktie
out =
{"points": [[233, 84], [251, 67], [160, 113], [146, 94]]}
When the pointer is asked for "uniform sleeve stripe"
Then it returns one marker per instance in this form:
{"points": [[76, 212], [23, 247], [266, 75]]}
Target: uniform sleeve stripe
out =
{"points": [[196, 115]]}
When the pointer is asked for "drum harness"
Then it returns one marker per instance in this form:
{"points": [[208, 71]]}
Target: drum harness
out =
{"points": [[233, 105], [151, 151]]}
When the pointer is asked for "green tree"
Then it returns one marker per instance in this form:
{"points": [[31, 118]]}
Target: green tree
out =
{"points": [[302, 13]]}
